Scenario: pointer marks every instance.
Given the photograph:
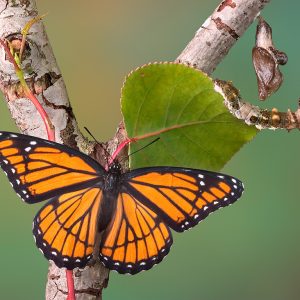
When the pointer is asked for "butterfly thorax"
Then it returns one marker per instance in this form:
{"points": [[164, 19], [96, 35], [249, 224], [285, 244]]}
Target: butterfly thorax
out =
{"points": [[110, 195], [113, 177]]}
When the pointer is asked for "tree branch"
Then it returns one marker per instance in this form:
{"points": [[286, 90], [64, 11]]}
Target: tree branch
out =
{"points": [[45, 80], [253, 115], [211, 43], [220, 32]]}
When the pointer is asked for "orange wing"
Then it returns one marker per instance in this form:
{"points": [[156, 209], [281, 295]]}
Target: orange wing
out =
{"points": [[39, 169], [182, 197], [66, 227], [136, 238]]}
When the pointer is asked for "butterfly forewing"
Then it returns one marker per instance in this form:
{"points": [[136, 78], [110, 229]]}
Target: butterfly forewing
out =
{"points": [[66, 227], [182, 197], [39, 169], [136, 239]]}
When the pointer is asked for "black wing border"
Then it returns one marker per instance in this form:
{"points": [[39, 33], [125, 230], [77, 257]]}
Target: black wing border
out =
{"points": [[26, 139], [189, 222]]}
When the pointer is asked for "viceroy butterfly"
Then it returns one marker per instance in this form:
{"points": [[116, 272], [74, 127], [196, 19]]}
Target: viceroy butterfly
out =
{"points": [[134, 211]]}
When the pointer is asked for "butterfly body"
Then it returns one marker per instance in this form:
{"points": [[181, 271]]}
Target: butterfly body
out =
{"points": [[132, 211], [110, 186]]}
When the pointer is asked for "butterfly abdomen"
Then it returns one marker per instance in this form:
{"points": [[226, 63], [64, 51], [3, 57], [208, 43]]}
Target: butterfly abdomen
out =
{"points": [[108, 206], [110, 194]]}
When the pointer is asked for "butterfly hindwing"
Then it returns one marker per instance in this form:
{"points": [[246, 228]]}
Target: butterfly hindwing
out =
{"points": [[182, 197], [136, 238], [66, 227], [39, 169]]}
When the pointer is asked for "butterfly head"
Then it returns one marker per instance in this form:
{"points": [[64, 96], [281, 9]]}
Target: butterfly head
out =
{"points": [[115, 168]]}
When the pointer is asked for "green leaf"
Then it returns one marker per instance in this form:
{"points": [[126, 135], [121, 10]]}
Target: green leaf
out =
{"points": [[179, 104]]}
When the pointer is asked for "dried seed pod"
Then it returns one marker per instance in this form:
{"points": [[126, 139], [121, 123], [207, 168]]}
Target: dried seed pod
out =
{"points": [[266, 60]]}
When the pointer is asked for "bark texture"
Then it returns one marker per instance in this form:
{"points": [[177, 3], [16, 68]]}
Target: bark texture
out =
{"points": [[212, 42], [45, 80], [220, 32]]}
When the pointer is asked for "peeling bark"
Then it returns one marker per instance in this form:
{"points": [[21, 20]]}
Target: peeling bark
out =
{"points": [[42, 73], [220, 32]]}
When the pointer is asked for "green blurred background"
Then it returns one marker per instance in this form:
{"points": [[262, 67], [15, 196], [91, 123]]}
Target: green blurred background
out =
{"points": [[248, 251]]}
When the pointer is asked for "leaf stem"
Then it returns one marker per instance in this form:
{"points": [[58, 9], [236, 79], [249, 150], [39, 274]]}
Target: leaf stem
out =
{"points": [[118, 150], [158, 132]]}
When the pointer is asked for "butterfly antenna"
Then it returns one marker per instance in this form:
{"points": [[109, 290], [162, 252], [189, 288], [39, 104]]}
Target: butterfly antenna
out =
{"points": [[138, 150], [88, 131], [99, 143]]}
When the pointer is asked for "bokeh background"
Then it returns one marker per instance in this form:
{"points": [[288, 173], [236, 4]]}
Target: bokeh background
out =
{"points": [[248, 251]]}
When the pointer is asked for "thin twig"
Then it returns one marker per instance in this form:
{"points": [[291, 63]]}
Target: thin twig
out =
{"points": [[254, 115]]}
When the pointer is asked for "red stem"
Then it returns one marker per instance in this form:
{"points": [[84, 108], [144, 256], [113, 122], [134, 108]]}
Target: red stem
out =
{"points": [[9, 55], [147, 135], [70, 284], [118, 150], [49, 127], [51, 137], [28, 93]]}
